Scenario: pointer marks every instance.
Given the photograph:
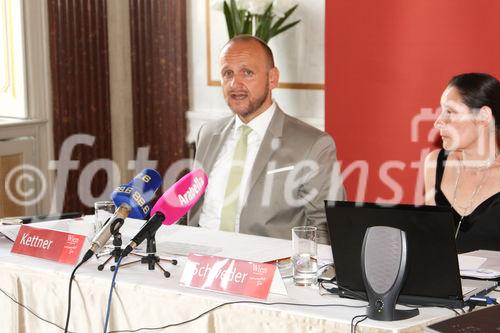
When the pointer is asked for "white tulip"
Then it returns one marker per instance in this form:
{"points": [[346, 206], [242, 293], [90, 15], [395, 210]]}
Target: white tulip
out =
{"points": [[243, 4]]}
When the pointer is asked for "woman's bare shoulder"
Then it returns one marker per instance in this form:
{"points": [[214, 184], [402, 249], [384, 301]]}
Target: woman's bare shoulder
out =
{"points": [[431, 158]]}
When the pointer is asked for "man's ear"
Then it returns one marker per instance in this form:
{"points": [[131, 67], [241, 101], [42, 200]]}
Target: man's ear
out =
{"points": [[274, 77]]}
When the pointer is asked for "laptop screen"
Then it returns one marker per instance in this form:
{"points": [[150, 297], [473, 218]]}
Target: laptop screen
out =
{"points": [[433, 275]]}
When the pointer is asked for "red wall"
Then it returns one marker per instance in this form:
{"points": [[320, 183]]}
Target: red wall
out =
{"points": [[385, 61]]}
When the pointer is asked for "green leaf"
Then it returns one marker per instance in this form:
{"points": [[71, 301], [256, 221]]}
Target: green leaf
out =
{"points": [[235, 13], [264, 25], [229, 21], [265, 30], [286, 27], [248, 25], [258, 24], [279, 22], [268, 10], [242, 22]]}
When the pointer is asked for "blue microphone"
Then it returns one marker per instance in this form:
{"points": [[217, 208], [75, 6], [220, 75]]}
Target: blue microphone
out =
{"points": [[132, 200], [137, 193]]}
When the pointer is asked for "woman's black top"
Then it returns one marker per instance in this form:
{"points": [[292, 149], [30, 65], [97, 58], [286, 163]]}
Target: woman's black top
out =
{"points": [[481, 228]]}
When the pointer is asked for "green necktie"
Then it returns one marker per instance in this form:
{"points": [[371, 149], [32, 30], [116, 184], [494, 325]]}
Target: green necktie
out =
{"points": [[231, 196]]}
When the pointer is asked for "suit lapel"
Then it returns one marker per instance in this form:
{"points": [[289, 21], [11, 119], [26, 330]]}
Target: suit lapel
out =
{"points": [[216, 140], [274, 132], [207, 156]]}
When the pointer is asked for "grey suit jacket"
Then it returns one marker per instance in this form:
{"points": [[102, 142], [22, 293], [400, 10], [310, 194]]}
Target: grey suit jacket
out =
{"points": [[279, 200]]}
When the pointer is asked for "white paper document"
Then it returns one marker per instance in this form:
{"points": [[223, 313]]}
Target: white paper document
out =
{"points": [[183, 249], [467, 263], [10, 231], [481, 264]]}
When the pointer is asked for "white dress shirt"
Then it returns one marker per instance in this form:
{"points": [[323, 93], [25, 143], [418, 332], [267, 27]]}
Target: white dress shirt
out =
{"points": [[218, 177]]}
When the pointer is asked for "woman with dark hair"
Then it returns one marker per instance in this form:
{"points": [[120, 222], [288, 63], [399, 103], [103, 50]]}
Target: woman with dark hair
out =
{"points": [[465, 174]]}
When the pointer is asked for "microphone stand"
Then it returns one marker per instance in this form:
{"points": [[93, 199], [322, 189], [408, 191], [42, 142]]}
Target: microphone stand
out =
{"points": [[115, 253], [151, 258]]}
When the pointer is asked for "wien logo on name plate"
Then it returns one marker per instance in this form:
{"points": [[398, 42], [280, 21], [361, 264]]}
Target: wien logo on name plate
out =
{"points": [[228, 275]]}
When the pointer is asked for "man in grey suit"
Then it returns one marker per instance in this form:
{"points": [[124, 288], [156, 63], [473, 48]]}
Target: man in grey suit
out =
{"points": [[268, 172]]}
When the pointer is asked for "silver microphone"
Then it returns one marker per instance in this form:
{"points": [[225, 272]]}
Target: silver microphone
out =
{"points": [[112, 225]]}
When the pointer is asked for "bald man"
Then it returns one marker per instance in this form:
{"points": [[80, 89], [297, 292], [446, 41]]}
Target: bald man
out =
{"points": [[268, 172]]}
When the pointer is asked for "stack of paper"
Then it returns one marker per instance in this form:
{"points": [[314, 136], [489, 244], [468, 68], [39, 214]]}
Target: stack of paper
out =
{"points": [[481, 264]]}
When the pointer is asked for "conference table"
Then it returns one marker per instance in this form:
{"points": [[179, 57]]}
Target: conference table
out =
{"points": [[147, 299]]}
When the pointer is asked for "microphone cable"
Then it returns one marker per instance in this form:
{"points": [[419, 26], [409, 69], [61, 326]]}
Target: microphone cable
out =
{"points": [[71, 278], [117, 265]]}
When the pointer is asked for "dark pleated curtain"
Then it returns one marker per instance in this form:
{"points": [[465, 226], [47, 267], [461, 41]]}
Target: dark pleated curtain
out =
{"points": [[159, 74], [80, 87]]}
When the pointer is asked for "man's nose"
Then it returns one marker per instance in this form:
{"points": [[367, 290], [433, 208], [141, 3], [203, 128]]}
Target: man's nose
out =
{"points": [[235, 81]]}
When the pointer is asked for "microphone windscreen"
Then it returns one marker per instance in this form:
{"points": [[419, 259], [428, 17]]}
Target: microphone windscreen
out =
{"points": [[181, 196], [147, 182], [138, 192]]}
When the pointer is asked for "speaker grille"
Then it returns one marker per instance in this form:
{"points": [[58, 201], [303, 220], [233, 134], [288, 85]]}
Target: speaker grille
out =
{"points": [[383, 246]]}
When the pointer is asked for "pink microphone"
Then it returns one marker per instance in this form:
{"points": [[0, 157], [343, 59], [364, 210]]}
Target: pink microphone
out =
{"points": [[171, 206], [181, 196]]}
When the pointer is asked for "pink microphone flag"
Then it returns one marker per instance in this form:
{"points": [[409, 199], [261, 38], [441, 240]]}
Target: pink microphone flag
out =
{"points": [[181, 196]]}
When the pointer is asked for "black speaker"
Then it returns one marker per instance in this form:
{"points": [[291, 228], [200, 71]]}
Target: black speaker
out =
{"points": [[384, 265]]}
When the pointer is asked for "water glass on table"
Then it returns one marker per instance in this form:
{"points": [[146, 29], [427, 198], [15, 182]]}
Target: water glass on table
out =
{"points": [[304, 251], [103, 211]]}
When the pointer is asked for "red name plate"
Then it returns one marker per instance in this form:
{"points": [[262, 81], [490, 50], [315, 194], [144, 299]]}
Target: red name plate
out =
{"points": [[48, 244], [228, 275]]}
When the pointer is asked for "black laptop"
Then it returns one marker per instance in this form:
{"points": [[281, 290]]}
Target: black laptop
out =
{"points": [[433, 275]]}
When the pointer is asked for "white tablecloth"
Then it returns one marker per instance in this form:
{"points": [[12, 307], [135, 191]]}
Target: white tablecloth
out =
{"points": [[146, 298]]}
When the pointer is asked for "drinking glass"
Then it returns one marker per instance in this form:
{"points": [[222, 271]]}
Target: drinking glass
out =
{"points": [[304, 250], [103, 211]]}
